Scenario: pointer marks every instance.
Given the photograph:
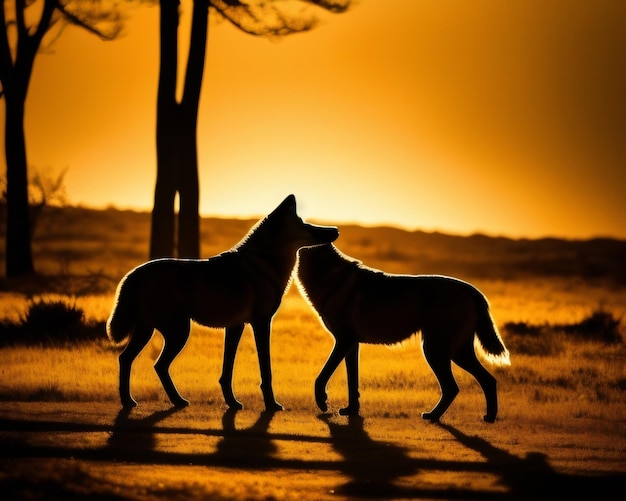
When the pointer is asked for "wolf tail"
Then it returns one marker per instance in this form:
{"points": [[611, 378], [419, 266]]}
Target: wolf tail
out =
{"points": [[121, 323], [489, 340]]}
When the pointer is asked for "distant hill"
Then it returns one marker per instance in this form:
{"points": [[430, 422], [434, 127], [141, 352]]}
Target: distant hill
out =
{"points": [[80, 241], [481, 256]]}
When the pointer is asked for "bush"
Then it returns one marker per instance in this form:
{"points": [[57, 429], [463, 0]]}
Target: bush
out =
{"points": [[543, 340], [53, 318], [534, 340], [51, 321], [601, 325]]}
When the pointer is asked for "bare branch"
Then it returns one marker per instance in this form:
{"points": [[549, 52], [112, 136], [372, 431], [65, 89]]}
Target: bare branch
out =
{"points": [[50, 40], [5, 49], [47, 187]]}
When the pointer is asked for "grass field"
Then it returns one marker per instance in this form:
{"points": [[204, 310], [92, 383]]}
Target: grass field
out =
{"points": [[561, 431]]}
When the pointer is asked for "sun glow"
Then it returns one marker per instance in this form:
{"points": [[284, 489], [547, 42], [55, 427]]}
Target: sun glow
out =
{"points": [[461, 119]]}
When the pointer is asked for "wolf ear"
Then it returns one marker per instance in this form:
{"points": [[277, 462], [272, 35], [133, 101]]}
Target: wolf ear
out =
{"points": [[289, 203]]}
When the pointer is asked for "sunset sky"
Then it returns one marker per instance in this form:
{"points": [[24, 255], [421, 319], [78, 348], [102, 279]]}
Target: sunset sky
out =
{"points": [[502, 117]]}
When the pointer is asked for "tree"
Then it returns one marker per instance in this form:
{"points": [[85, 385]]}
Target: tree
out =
{"points": [[25, 23], [177, 157]]}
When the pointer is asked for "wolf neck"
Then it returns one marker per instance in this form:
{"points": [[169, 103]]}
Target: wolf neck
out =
{"points": [[276, 267], [320, 280], [270, 256]]}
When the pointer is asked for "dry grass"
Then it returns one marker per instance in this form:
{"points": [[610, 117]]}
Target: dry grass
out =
{"points": [[579, 377], [563, 396]]}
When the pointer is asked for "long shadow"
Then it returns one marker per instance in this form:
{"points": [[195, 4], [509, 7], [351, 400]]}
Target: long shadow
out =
{"points": [[136, 433], [133, 439], [532, 477], [371, 466], [374, 469], [248, 448]]}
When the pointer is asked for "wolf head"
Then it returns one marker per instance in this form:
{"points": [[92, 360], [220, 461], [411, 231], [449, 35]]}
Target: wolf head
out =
{"points": [[315, 262], [289, 227]]}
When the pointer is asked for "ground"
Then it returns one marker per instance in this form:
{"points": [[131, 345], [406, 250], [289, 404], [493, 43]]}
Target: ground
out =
{"points": [[76, 450]]}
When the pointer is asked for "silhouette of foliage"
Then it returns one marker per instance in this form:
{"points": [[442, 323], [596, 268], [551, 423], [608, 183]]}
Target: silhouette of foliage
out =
{"points": [[273, 19], [601, 325], [50, 321], [545, 340], [45, 188]]}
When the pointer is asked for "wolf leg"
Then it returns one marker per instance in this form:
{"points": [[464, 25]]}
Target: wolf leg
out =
{"points": [[138, 339], [439, 361], [262, 331], [466, 359], [352, 369], [175, 338], [340, 350], [231, 342]]}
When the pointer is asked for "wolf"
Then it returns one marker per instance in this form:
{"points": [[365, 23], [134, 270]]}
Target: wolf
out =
{"points": [[358, 304], [242, 285]]}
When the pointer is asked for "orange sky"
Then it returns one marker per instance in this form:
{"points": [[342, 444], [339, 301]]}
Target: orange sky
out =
{"points": [[507, 118]]}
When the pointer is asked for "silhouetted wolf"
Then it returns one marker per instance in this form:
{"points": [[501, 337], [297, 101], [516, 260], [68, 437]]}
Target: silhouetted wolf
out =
{"points": [[363, 305], [242, 285]]}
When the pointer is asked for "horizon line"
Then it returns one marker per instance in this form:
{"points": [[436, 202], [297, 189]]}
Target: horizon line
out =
{"points": [[363, 224]]}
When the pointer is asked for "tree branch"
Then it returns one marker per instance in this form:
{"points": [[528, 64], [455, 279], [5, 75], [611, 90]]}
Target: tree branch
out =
{"points": [[6, 62], [89, 14], [197, 54], [268, 19], [336, 6]]}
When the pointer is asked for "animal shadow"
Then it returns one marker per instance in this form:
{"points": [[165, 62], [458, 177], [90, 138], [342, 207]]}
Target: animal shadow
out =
{"points": [[249, 447], [372, 466], [375, 470], [136, 434], [135, 438], [532, 477]]}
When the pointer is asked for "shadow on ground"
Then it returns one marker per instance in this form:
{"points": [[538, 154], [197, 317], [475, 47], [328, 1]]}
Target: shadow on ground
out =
{"points": [[373, 469]]}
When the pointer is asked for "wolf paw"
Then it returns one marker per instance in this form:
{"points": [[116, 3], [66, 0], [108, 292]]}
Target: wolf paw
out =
{"points": [[234, 404], [273, 406], [320, 400], [351, 410], [429, 416], [180, 403], [128, 403]]}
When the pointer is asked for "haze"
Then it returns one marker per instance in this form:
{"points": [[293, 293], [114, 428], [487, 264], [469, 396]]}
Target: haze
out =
{"points": [[506, 118]]}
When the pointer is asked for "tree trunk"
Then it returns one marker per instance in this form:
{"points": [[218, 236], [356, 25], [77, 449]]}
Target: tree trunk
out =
{"points": [[188, 194], [163, 212], [19, 259], [15, 81], [177, 156], [189, 218]]}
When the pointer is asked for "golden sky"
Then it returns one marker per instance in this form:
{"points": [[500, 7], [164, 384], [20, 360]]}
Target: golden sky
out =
{"points": [[504, 117]]}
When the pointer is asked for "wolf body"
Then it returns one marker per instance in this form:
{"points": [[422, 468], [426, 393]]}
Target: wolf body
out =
{"points": [[358, 304], [243, 285]]}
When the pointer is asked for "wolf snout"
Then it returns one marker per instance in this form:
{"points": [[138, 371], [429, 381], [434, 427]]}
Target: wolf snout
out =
{"points": [[332, 233], [321, 235]]}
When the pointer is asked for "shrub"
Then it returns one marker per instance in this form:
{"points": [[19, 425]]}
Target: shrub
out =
{"points": [[534, 340], [543, 340], [53, 317], [51, 321], [601, 325]]}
